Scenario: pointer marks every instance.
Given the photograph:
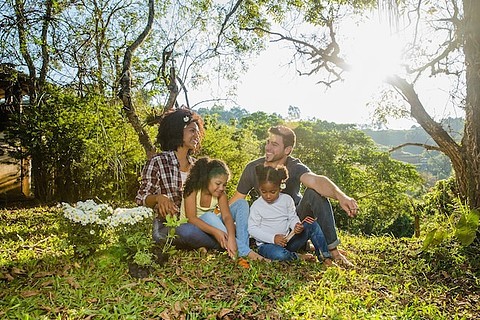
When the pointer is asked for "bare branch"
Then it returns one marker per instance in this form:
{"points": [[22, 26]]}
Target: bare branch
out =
{"points": [[425, 146], [224, 24]]}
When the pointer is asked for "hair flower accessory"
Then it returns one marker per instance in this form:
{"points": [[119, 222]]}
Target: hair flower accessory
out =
{"points": [[186, 119], [283, 185]]}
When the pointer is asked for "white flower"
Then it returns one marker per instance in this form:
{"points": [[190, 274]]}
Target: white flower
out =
{"points": [[92, 232]]}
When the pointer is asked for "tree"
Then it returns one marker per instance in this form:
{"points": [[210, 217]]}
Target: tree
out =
{"points": [[444, 42], [166, 48]]}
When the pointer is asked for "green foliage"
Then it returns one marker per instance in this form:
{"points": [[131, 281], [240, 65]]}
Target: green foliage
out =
{"points": [[80, 147], [461, 225], [171, 221], [467, 227], [235, 146], [383, 186]]}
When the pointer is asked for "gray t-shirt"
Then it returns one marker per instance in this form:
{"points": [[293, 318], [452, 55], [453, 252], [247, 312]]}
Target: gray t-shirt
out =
{"points": [[248, 180]]}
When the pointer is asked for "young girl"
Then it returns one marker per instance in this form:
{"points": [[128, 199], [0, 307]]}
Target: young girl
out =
{"points": [[273, 217], [204, 194]]}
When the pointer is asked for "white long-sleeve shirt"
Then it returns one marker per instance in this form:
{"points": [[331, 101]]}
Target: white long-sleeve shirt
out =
{"points": [[267, 220]]}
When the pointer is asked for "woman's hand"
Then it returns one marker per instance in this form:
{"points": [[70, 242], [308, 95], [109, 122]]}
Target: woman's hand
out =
{"points": [[280, 240], [165, 205]]}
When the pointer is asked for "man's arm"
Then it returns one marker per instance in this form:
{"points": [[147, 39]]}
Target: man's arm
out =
{"points": [[327, 188]]}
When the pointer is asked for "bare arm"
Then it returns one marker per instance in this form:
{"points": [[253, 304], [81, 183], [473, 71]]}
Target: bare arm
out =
{"points": [[327, 188]]}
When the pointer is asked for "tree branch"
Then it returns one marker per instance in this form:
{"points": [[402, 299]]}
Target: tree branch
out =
{"points": [[126, 84], [425, 146]]}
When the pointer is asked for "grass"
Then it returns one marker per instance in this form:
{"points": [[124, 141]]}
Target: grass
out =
{"points": [[40, 279]]}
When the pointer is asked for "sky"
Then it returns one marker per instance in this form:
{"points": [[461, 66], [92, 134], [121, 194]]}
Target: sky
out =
{"points": [[271, 85]]}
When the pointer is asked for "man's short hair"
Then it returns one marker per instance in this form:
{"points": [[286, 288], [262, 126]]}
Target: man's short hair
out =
{"points": [[286, 133]]}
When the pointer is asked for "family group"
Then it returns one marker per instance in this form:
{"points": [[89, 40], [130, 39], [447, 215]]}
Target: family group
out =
{"points": [[281, 220]]}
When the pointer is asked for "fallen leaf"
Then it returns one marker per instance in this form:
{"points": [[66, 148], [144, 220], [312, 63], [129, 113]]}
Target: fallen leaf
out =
{"points": [[72, 283], [9, 277], [164, 315], [16, 270], [29, 293], [43, 274], [243, 263], [222, 313], [128, 285], [177, 306], [47, 283]]}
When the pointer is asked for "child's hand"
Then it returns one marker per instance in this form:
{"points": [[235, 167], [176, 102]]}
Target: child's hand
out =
{"points": [[221, 237], [232, 247], [298, 228], [280, 240]]}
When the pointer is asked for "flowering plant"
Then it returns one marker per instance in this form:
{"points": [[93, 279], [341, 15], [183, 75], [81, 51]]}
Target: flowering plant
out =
{"points": [[85, 225], [133, 229]]}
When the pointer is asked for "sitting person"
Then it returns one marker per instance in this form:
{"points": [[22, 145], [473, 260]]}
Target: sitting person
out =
{"points": [[180, 133], [204, 194], [314, 203], [273, 216]]}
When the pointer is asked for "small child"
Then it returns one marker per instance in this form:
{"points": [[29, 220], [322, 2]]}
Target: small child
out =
{"points": [[203, 195], [273, 216]]}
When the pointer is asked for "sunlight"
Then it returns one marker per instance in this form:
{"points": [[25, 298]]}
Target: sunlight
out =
{"points": [[374, 53]]}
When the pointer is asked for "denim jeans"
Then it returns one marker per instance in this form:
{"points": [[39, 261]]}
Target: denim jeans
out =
{"points": [[315, 205], [311, 231], [190, 236]]}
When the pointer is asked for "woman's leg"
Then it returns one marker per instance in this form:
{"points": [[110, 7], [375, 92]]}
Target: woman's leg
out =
{"points": [[189, 236]]}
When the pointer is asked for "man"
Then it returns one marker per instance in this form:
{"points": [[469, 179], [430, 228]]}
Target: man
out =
{"points": [[279, 146]]}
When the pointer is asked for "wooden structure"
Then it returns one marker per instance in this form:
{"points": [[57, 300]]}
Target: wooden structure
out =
{"points": [[15, 179]]}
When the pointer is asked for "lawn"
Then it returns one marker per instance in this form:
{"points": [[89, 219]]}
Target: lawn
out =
{"points": [[41, 279]]}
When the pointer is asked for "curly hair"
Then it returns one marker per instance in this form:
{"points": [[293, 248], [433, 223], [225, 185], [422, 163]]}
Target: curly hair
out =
{"points": [[172, 123], [201, 172], [276, 175]]}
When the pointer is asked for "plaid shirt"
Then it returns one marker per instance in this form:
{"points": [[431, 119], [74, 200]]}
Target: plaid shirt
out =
{"points": [[161, 175]]}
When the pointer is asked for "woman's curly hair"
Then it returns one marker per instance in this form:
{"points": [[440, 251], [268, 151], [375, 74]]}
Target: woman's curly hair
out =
{"points": [[276, 175], [172, 123], [201, 172]]}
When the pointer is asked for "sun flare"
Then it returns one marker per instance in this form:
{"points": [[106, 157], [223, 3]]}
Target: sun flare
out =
{"points": [[375, 53]]}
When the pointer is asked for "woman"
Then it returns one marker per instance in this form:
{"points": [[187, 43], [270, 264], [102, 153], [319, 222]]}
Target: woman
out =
{"points": [[179, 135]]}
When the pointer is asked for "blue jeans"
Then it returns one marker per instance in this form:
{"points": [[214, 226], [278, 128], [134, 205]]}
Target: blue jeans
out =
{"points": [[311, 231], [315, 205], [190, 236]]}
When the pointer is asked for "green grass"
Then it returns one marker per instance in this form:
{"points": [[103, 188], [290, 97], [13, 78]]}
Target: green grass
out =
{"points": [[40, 279]]}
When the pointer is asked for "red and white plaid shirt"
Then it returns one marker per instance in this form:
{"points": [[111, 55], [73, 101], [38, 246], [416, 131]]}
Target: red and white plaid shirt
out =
{"points": [[161, 175]]}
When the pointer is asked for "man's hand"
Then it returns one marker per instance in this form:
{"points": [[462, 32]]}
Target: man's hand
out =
{"points": [[349, 205], [298, 228]]}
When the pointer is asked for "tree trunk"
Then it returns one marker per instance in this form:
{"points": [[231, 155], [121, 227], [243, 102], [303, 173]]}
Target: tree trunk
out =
{"points": [[470, 183], [465, 157], [126, 84]]}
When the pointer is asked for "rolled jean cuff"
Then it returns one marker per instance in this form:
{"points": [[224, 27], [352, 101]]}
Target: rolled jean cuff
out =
{"points": [[333, 245]]}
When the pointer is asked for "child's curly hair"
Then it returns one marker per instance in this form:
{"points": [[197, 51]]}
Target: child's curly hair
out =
{"points": [[276, 175], [201, 172]]}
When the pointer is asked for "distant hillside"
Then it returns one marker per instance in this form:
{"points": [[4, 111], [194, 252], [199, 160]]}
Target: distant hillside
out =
{"points": [[432, 163]]}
